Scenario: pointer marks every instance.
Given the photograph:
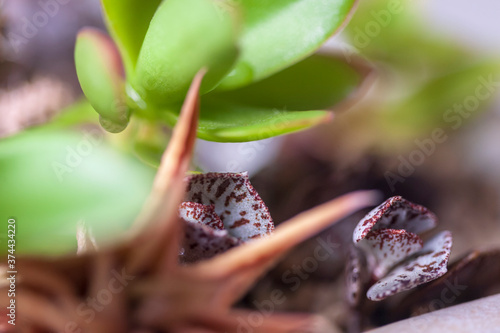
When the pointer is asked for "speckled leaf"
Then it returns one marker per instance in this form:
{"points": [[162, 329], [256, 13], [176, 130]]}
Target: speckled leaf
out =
{"points": [[428, 266], [204, 233], [356, 275], [198, 213], [387, 247], [244, 214], [396, 213], [278, 33]]}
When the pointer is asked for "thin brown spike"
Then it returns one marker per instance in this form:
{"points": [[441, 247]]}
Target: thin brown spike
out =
{"points": [[161, 209]]}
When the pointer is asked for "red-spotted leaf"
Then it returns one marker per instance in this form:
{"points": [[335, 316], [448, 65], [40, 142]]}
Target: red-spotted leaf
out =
{"points": [[396, 213], [387, 247], [205, 236], [356, 275], [203, 242], [244, 214], [198, 213], [429, 265]]}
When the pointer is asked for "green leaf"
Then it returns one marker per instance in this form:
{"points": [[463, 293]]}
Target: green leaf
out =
{"points": [[445, 102], [278, 33], [128, 21], [100, 74], [51, 179], [390, 31], [316, 83], [184, 36], [227, 122]]}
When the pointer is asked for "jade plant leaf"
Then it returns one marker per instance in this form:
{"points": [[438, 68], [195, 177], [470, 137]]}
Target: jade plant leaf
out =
{"points": [[291, 100], [279, 33], [316, 83], [53, 179], [128, 21], [184, 36], [100, 72], [227, 122]]}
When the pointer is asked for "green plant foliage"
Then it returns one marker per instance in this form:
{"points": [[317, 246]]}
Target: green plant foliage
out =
{"points": [[279, 33], [99, 69], [52, 179], [128, 21], [184, 36], [318, 82], [243, 45], [444, 102]]}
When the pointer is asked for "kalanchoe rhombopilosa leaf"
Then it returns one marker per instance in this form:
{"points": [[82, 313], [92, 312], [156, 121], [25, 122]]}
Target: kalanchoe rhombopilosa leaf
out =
{"points": [[222, 210], [172, 40], [397, 257]]}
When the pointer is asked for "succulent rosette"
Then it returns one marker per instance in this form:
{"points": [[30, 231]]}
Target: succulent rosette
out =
{"points": [[390, 256]]}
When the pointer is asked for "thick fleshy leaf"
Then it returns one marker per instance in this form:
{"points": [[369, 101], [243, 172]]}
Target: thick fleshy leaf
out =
{"points": [[385, 248], [223, 121], [204, 232], [356, 275], [54, 179], [203, 214], [428, 266], [184, 36], [244, 214], [100, 73], [128, 21], [278, 33], [396, 213], [316, 83]]}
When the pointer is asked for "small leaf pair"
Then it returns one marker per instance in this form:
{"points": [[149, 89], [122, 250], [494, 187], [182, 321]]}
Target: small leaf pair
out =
{"points": [[396, 256], [222, 210], [261, 80]]}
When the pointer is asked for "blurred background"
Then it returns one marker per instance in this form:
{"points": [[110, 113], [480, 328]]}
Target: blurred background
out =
{"points": [[426, 127]]}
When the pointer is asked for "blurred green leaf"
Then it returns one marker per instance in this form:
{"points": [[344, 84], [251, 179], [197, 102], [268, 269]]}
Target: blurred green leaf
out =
{"points": [[444, 102], [100, 74], [393, 32], [279, 33], [316, 83], [227, 122], [184, 36], [51, 179], [128, 21]]}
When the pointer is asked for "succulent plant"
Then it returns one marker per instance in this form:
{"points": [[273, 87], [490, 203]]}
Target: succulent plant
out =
{"points": [[396, 256], [139, 285], [262, 79]]}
